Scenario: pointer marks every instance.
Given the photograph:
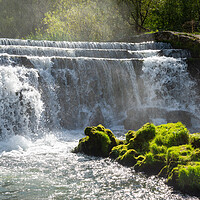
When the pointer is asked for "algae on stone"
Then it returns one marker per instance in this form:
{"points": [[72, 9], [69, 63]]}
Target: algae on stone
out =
{"points": [[171, 134], [186, 178], [128, 158], [118, 150], [98, 142], [195, 140], [141, 138]]}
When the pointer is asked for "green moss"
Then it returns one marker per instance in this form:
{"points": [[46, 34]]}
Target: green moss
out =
{"points": [[99, 142], [118, 151], [111, 136], [100, 128], [89, 131], [148, 131], [102, 143], [83, 146], [180, 154], [196, 155], [128, 158], [195, 140], [156, 149], [171, 134], [186, 178], [151, 164], [141, 138], [130, 135]]}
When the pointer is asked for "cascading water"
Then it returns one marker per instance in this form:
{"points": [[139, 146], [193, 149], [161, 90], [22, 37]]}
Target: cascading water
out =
{"points": [[50, 90]]}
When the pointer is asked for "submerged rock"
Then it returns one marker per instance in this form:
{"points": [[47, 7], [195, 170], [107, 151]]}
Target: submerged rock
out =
{"points": [[167, 150]]}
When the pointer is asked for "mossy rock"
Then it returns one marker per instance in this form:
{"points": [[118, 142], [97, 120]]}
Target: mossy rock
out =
{"points": [[180, 154], [186, 178], [157, 149], [180, 41], [118, 150], [195, 140], [196, 155], [130, 135], [128, 158], [141, 138], [98, 142], [171, 134], [150, 164]]}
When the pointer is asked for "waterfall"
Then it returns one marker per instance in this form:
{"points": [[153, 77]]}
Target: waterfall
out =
{"points": [[70, 85]]}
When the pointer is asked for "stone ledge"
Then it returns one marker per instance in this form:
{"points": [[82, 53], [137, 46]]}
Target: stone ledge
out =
{"points": [[178, 40]]}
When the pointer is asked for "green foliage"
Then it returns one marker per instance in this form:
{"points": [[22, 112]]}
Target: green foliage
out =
{"points": [[98, 20], [20, 18], [83, 20], [137, 12], [174, 15]]}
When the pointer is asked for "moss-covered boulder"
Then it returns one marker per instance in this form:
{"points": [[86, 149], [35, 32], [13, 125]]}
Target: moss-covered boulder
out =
{"points": [[195, 140], [129, 158], [140, 139], [118, 151], [151, 164], [166, 136], [186, 178], [137, 143], [98, 142], [171, 134]]}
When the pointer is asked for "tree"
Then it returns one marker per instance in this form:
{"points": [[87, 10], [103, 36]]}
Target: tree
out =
{"points": [[21, 17], [137, 12], [172, 15], [83, 20]]}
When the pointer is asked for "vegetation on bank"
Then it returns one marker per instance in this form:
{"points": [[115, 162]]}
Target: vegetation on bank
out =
{"points": [[95, 20], [166, 150]]}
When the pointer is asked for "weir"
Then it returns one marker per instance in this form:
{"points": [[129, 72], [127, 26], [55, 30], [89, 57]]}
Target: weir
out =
{"points": [[70, 85]]}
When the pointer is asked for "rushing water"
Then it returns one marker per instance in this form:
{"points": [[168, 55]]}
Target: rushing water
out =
{"points": [[46, 169], [49, 91]]}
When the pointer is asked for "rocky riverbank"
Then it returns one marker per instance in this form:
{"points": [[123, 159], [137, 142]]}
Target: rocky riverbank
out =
{"points": [[166, 150]]}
